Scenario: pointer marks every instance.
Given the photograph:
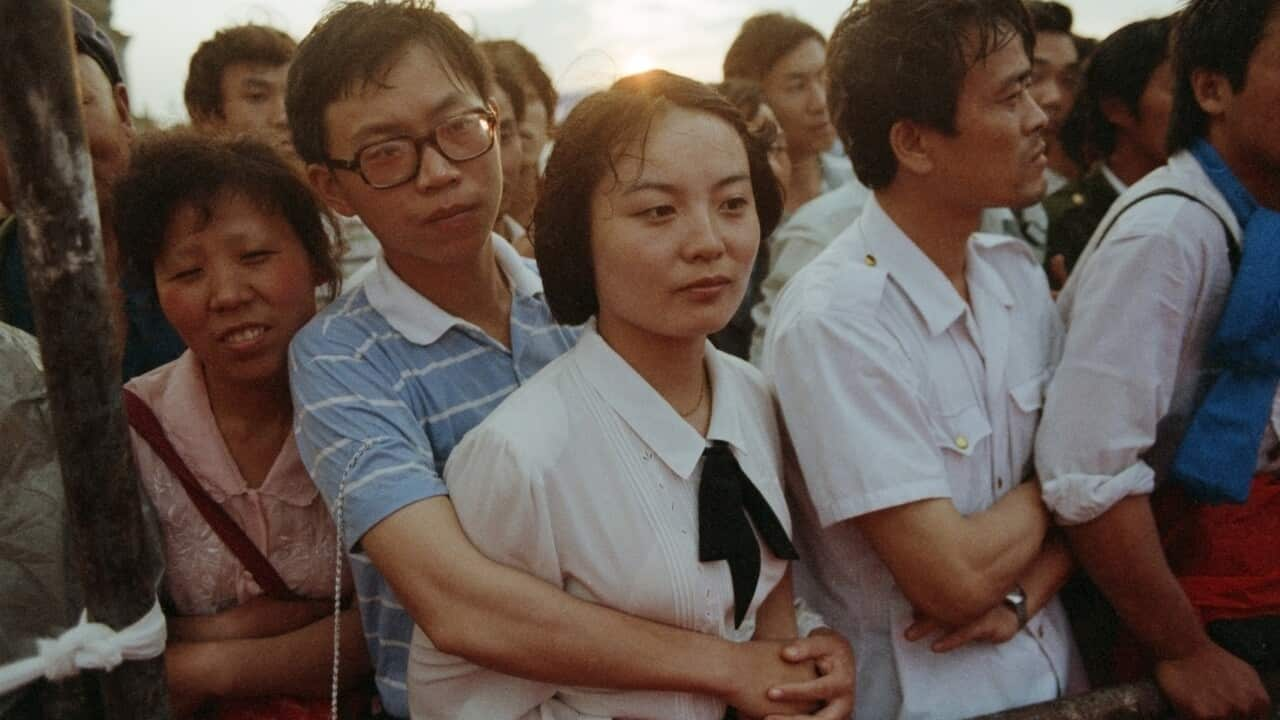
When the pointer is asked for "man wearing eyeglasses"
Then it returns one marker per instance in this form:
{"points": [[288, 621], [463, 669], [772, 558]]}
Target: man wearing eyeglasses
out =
{"points": [[387, 107]]}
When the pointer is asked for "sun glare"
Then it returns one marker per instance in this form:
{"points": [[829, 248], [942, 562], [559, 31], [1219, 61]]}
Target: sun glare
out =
{"points": [[637, 63]]}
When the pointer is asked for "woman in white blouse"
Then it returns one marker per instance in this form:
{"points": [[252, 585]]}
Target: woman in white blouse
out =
{"points": [[613, 472]]}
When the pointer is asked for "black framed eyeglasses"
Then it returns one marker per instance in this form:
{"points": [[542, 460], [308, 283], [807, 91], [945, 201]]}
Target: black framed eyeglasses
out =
{"points": [[388, 163]]}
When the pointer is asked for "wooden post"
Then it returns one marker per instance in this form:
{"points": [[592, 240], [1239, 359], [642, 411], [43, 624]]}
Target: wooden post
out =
{"points": [[1134, 701], [52, 179]]}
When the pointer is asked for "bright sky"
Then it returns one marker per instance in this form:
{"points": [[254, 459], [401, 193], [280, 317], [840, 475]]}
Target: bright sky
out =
{"points": [[582, 43]]}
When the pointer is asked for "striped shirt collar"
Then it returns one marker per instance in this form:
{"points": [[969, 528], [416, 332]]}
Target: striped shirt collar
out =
{"points": [[421, 321]]}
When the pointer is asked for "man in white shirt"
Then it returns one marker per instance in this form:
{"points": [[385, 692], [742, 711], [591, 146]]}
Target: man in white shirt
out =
{"points": [[1130, 382], [910, 359]]}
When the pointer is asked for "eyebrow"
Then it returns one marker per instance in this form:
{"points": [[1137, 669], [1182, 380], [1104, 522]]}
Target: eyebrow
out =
{"points": [[256, 83], [671, 189], [362, 134]]}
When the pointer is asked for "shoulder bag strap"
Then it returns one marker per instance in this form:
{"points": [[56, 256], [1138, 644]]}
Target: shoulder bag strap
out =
{"points": [[144, 421], [1233, 245]]}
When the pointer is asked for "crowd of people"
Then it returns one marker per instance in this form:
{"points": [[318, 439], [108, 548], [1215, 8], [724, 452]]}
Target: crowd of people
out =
{"points": [[927, 370]]}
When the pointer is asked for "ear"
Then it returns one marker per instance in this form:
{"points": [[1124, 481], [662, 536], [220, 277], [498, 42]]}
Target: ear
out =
{"points": [[1117, 113], [120, 95], [1213, 91], [911, 145], [329, 189]]}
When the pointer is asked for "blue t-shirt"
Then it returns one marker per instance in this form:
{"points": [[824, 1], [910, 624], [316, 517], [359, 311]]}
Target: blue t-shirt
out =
{"points": [[385, 385]]}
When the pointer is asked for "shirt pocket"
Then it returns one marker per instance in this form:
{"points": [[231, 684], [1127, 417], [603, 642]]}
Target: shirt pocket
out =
{"points": [[1026, 399], [959, 435]]}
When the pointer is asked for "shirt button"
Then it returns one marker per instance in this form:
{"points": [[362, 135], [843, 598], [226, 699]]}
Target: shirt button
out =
{"points": [[870, 260], [999, 483], [962, 442], [1077, 199]]}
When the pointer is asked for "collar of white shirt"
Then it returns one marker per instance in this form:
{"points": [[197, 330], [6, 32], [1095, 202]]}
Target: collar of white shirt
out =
{"points": [[932, 294], [421, 321], [652, 418]]}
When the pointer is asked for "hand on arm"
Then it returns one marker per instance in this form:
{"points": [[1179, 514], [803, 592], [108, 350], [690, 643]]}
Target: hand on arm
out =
{"points": [[1042, 580], [1121, 551], [295, 663], [259, 618], [513, 622], [952, 567]]}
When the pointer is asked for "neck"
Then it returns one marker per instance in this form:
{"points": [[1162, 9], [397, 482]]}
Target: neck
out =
{"points": [[473, 289], [806, 180], [672, 366], [941, 230], [260, 408], [1130, 163], [1059, 162], [1254, 173]]}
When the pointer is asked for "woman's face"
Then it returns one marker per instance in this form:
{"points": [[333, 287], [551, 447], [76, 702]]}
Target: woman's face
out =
{"points": [[674, 233], [236, 285]]}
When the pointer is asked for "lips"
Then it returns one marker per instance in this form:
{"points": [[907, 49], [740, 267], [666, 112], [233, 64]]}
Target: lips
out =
{"points": [[711, 282], [242, 336], [449, 212]]}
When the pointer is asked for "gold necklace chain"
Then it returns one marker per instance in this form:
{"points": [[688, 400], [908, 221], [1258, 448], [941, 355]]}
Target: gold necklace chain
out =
{"points": [[702, 395]]}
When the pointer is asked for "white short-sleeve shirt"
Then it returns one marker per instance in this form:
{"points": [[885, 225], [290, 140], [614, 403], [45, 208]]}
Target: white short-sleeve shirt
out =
{"points": [[895, 390], [1141, 306], [587, 478]]}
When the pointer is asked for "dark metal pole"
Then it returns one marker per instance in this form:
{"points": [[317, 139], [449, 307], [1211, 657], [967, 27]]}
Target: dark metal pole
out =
{"points": [[1134, 701], [52, 179]]}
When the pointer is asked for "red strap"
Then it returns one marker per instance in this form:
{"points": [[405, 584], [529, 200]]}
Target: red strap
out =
{"points": [[145, 422]]}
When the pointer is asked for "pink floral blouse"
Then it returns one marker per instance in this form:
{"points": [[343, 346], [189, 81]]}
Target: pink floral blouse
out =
{"points": [[285, 517]]}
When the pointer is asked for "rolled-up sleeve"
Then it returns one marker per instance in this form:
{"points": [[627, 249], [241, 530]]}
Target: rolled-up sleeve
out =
{"points": [[1126, 322]]}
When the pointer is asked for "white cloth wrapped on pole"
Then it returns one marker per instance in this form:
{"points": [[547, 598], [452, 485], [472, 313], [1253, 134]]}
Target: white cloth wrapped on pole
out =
{"points": [[88, 646]]}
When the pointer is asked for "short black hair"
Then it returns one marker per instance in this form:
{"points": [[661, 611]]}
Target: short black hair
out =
{"points": [[586, 150], [355, 44], [524, 64], [508, 78], [256, 44], [1050, 16], [172, 169], [880, 74], [1120, 69], [762, 41], [1218, 36]]}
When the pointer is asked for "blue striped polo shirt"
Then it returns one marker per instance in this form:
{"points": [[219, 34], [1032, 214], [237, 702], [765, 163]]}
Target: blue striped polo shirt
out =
{"points": [[385, 384]]}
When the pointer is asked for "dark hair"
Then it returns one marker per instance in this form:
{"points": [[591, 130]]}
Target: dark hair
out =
{"points": [[175, 168], [1218, 36], [527, 70], [1120, 69], [1049, 16], [590, 139], [881, 74], [1085, 46], [761, 43], [256, 44], [355, 44], [744, 94], [507, 78]]}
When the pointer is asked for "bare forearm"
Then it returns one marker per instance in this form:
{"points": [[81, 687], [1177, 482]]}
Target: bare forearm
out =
{"points": [[1048, 572], [258, 618], [955, 568], [297, 663], [776, 618], [1121, 551], [535, 630]]}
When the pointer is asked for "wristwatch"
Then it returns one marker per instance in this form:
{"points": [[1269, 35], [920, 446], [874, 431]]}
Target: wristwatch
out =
{"points": [[1016, 600]]}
